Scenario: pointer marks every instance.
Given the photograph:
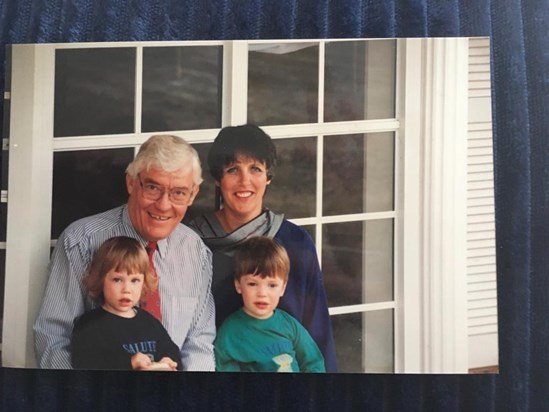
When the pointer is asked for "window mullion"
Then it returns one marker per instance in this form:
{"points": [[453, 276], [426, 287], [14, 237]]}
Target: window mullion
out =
{"points": [[235, 83]]}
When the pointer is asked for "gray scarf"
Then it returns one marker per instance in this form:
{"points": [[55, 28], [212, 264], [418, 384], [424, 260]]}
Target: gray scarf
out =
{"points": [[213, 235]]}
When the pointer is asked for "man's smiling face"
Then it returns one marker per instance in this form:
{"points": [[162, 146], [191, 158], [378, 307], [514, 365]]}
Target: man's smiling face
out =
{"points": [[156, 219]]}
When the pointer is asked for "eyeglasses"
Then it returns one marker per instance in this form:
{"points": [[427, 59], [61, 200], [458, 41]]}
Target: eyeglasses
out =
{"points": [[178, 196]]}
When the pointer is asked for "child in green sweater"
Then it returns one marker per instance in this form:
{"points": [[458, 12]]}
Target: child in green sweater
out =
{"points": [[259, 337]]}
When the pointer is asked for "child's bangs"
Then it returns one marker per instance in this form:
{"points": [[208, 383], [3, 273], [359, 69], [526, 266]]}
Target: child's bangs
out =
{"points": [[132, 265], [268, 268]]}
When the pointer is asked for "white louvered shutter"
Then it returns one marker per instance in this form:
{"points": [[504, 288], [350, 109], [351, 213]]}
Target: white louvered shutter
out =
{"points": [[481, 251]]}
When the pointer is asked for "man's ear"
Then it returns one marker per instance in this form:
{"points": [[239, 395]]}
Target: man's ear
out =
{"points": [[129, 183], [196, 189], [237, 287]]}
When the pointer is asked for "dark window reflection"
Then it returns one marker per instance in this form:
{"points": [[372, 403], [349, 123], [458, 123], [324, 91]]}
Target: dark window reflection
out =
{"points": [[348, 337], [342, 251], [359, 80], [343, 184], [344, 81], [181, 88], [357, 262], [87, 182], [364, 341], [5, 119], [205, 201], [4, 169], [293, 189], [358, 173], [5, 113], [2, 283], [378, 261], [94, 91], [3, 221], [283, 85]]}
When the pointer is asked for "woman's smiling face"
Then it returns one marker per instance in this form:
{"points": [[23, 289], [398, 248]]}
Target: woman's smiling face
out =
{"points": [[243, 186]]}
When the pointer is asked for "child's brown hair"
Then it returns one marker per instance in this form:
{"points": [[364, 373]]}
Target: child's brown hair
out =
{"points": [[120, 253], [261, 256]]}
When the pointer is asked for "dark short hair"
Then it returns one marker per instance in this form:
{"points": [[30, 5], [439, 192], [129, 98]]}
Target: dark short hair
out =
{"points": [[261, 256], [120, 253], [247, 140]]}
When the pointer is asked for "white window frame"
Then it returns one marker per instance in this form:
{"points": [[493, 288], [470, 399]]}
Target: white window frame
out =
{"points": [[432, 306], [430, 320]]}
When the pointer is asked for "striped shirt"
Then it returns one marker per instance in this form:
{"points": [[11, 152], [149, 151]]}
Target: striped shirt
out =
{"points": [[183, 264]]}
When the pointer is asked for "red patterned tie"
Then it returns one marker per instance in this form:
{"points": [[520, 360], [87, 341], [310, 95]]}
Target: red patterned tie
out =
{"points": [[151, 303]]}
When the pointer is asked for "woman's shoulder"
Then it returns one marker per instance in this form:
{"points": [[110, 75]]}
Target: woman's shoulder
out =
{"points": [[290, 233], [288, 227], [202, 224]]}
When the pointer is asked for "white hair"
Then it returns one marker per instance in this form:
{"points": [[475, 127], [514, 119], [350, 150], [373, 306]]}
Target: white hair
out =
{"points": [[168, 153]]}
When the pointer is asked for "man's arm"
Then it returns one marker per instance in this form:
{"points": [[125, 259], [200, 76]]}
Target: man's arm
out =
{"points": [[197, 351], [63, 301]]}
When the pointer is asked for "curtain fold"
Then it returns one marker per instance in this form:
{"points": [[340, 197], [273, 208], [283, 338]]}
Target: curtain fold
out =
{"points": [[520, 92]]}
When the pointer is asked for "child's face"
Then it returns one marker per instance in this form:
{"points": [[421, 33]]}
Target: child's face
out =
{"points": [[260, 296], [122, 291]]}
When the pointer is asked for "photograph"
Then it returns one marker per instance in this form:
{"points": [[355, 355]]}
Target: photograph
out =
{"points": [[329, 206]]}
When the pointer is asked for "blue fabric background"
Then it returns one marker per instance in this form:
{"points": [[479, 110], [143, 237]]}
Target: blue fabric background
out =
{"points": [[520, 70]]}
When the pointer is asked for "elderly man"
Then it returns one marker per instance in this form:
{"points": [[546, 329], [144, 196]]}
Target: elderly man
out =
{"points": [[162, 182]]}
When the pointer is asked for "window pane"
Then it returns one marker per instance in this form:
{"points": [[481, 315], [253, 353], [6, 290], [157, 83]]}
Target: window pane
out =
{"points": [[87, 182], [2, 283], [4, 170], [359, 80], [205, 200], [94, 91], [293, 189], [283, 84], [357, 262], [358, 173], [3, 221], [5, 118], [379, 341], [364, 341], [348, 339], [181, 88], [378, 261]]}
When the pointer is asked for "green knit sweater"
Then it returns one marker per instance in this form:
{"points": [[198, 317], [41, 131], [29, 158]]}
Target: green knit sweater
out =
{"points": [[277, 344]]}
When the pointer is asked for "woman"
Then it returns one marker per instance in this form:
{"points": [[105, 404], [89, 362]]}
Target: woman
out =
{"points": [[242, 160]]}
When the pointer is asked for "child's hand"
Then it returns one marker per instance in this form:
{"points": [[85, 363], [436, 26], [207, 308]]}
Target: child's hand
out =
{"points": [[169, 362], [140, 361]]}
